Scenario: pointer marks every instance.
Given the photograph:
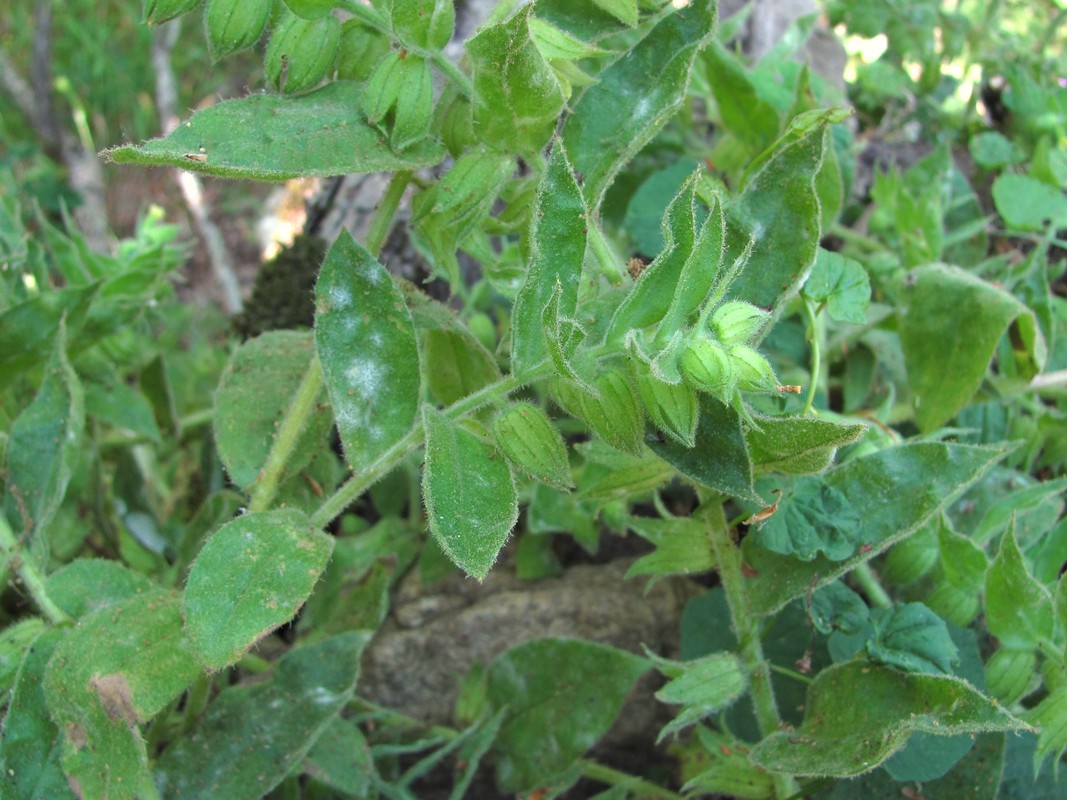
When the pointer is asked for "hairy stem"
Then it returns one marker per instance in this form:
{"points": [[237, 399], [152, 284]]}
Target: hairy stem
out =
{"points": [[296, 417], [27, 571], [631, 783], [387, 461], [383, 217], [815, 335], [746, 626]]}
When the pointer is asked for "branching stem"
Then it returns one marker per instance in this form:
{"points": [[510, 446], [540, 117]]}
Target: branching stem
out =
{"points": [[32, 579], [746, 626]]}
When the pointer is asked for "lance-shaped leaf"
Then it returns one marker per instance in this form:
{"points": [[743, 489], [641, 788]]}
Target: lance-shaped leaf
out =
{"points": [[1018, 609], [798, 445], [893, 492], [841, 737], [634, 97], [367, 348], [703, 686], [650, 297], [272, 138], [254, 392], [31, 744], [558, 238], [469, 494], [28, 329], [119, 667], [517, 97], [43, 445], [720, 459], [778, 211], [282, 717], [561, 696], [250, 577], [949, 332]]}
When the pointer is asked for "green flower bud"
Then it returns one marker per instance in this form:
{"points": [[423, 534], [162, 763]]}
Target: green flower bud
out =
{"points": [[707, 367], [530, 441], [616, 414], [737, 322], [672, 408], [754, 372], [1008, 674]]}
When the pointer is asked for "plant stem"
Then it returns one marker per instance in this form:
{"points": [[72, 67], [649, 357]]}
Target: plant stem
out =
{"points": [[610, 265], [383, 217], [815, 339], [27, 571], [614, 777], [293, 423], [746, 626], [454, 74], [871, 587], [196, 701], [380, 467]]}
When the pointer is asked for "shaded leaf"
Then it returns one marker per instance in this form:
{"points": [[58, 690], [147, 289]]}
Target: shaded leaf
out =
{"points": [[815, 518], [43, 446], [28, 329], [250, 577], [469, 494], [950, 326], [367, 348], [30, 742], [90, 584], [841, 738], [282, 717], [893, 492], [720, 459], [913, 638], [835, 607], [255, 391], [272, 138], [561, 696]]}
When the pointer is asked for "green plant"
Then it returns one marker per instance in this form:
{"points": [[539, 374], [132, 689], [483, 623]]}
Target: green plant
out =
{"points": [[859, 443]]}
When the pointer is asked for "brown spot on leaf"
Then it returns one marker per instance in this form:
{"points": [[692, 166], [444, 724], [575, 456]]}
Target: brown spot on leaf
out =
{"points": [[115, 696]]}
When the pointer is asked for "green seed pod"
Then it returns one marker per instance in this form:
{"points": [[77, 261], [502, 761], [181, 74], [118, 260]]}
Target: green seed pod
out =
{"points": [[737, 322], [707, 367], [672, 408], [1008, 674], [526, 435], [953, 603], [754, 372], [616, 414]]}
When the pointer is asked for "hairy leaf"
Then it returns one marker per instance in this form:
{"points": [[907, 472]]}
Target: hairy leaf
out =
{"points": [[250, 577], [558, 239], [841, 737], [815, 518], [254, 393], [949, 330], [893, 492], [911, 637], [561, 696], [271, 138], [469, 494], [517, 97], [367, 348], [283, 717], [635, 97]]}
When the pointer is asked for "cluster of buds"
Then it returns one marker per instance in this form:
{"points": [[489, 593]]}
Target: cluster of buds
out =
{"points": [[721, 362]]}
